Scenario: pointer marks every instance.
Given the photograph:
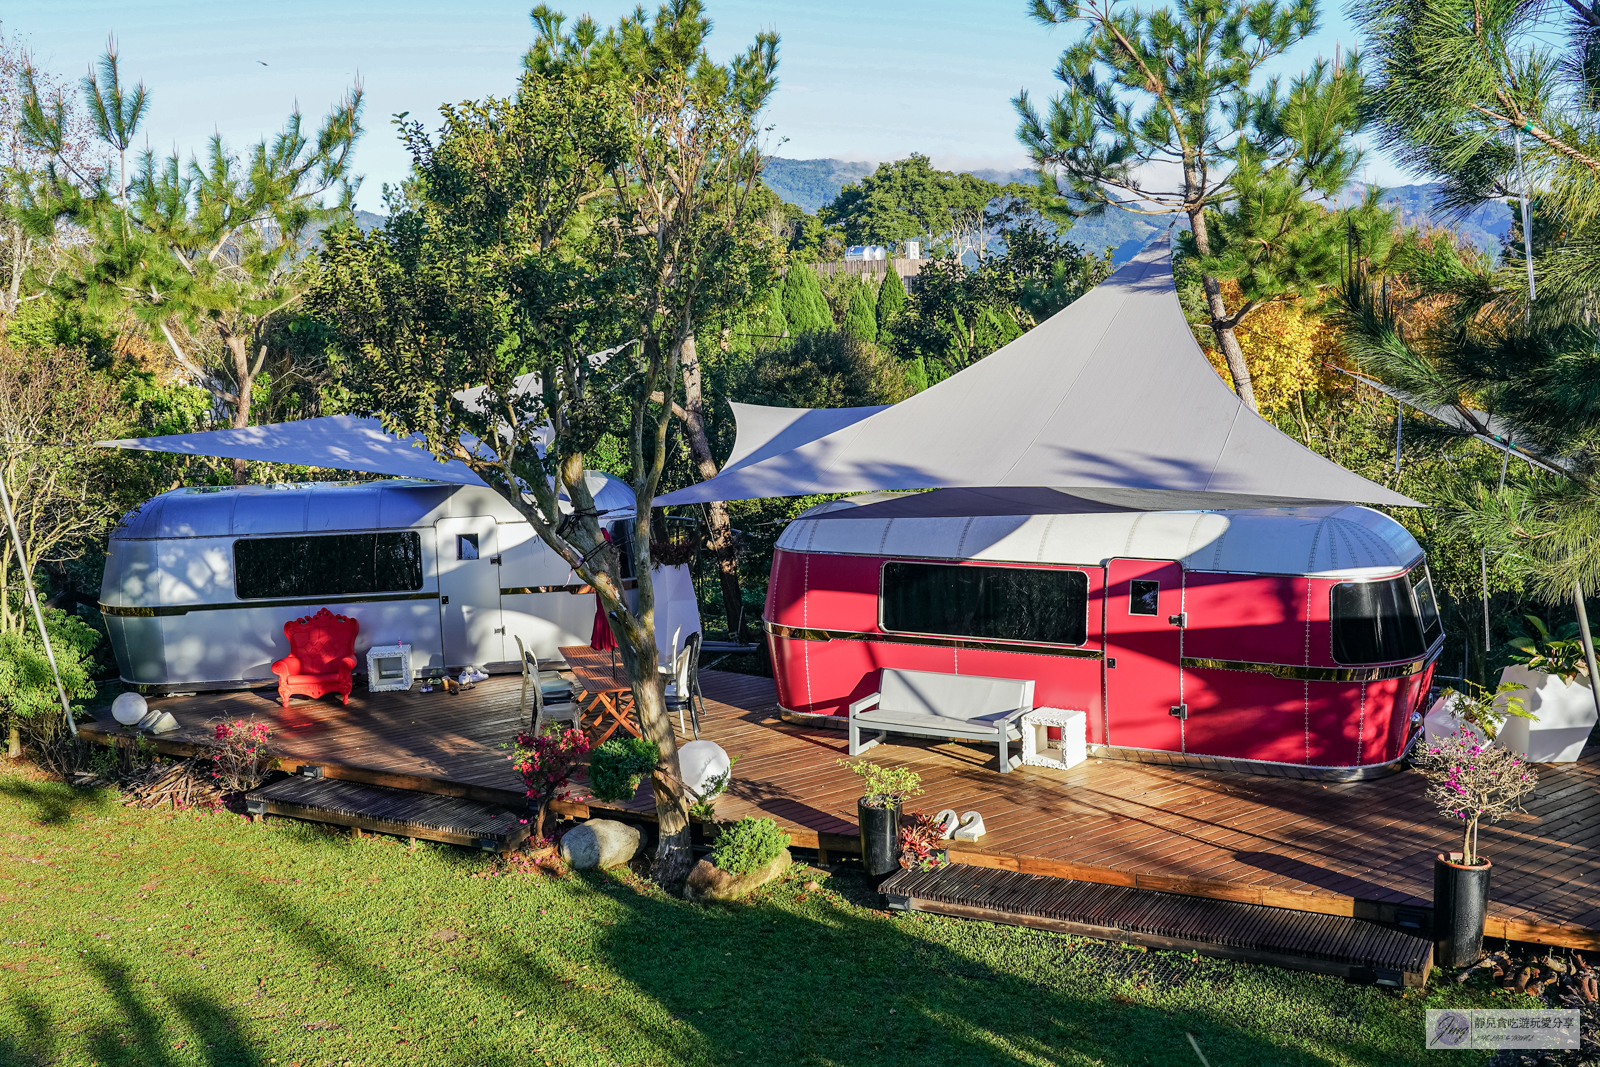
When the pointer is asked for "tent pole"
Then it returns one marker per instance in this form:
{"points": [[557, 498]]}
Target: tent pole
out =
{"points": [[1588, 642], [38, 613]]}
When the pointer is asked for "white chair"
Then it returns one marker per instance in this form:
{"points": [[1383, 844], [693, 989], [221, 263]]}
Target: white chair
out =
{"points": [[553, 698], [684, 688]]}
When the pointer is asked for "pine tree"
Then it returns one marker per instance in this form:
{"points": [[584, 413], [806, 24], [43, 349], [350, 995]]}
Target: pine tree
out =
{"points": [[891, 298], [861, 319], [805, 309]]}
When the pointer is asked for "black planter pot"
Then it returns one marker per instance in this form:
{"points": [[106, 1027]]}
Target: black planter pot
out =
{"points": [[880, 838], [1460, 902]]}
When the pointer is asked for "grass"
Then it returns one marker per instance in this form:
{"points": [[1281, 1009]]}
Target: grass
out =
{"points": [[157, 939]]}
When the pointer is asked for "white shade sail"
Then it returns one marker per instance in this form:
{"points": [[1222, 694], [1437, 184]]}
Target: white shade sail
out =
{"points": [[1110, 392]]}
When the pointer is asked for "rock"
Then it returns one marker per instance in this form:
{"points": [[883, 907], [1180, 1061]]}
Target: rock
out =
{"points": [[812, 886], [599, 844], [706, 882], [701, 761]]}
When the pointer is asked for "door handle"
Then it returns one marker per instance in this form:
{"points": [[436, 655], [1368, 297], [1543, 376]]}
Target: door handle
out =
{"points": [[444, 600], [1180, 620], [1179, 712], [1111, 662], [495, 560]]}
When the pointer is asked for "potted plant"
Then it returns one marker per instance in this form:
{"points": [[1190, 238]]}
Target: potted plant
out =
{"points": [[884, 790], [1560, 705], [1471, 780], [545, 762]]}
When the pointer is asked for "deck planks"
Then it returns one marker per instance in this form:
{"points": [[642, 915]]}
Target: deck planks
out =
{"points": [[1340, 848]]}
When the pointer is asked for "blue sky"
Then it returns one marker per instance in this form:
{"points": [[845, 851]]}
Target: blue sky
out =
{"points": [[860, 79]]}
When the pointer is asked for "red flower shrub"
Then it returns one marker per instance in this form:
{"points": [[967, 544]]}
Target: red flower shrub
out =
{"points": [[921, 842], [545, 762], [241, 758]]}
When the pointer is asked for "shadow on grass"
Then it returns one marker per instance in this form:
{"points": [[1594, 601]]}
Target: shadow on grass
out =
{"points": [[138, 1037], [53, 803]]}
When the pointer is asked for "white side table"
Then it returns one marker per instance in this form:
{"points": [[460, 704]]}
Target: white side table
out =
{"points": [[1037, 748], [388, 668]]}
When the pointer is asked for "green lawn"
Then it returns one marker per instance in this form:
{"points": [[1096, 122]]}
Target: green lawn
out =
{"points": [[155, 938]]}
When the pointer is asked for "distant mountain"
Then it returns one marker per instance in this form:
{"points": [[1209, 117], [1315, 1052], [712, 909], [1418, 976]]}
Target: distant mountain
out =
{"points": [[1486, 226], [810, 183], [367, 221]]}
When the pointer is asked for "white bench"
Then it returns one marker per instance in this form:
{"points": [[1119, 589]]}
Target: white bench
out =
{"points": [[931, 704]]}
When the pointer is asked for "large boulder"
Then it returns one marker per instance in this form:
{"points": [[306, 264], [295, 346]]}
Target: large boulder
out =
{"points": [[707, 882], [599, 844]]}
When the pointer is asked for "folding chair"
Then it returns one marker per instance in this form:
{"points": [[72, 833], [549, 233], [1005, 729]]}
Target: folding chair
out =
{"points": [[553, 698], [684, 687]]}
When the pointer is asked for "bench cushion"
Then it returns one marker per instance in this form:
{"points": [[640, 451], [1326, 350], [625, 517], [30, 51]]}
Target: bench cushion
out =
{"points": [[984, 728], [950, 696]]}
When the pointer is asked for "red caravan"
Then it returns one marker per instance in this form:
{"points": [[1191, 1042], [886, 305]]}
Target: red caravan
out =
{"points": [[1299, 639]]}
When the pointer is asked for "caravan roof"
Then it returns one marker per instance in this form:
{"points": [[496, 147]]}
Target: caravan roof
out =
{"points": [[1031, 525], [326, 507]]}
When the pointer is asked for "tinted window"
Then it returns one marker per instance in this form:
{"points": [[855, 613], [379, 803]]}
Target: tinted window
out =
{"points": [[995, 603], [335, 565], [466, 546], [1375, 622], [1143, 597], [1427, 606]]}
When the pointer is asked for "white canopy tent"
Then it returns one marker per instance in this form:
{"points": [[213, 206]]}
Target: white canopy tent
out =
{"points": [[1110, 393]]}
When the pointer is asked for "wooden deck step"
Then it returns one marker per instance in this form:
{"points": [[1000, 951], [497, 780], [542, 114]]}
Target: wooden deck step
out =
{"points": [[392, 811], [1306, 941]]}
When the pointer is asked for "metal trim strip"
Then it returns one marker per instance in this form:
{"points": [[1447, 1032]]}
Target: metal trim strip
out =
{"points": [[799, 634], [1311, 674], [184, 609]]}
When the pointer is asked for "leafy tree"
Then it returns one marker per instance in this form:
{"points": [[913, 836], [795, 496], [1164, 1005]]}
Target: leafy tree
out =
{"points": [[860, 319], [822, 369], [891, 298], [206, 253], [805, 309], [1159, 116], [575, 233], [909, 200]]}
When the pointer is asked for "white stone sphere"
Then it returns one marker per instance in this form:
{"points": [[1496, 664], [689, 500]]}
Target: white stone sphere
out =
{"points": [[700, 762], [129, 708]]}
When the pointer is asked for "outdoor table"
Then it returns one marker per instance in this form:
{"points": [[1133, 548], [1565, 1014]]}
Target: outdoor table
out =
{"points": [[604, 678]]}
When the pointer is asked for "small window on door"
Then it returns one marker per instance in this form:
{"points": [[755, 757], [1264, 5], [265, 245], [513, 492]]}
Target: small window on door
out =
{"points": [[1143, 597], [467, 546]]}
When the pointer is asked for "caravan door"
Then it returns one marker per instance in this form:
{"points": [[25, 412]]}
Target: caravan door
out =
{"points": [[1144, 639], [469, 592]]}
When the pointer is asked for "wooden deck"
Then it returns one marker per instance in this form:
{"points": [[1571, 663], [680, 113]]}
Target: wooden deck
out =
{"points": [[1362, 849]]}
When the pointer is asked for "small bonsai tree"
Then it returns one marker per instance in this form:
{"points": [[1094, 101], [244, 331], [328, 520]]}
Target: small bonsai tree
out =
{"points": [[545, 762], [619, 765], [884, 787], [748, 845], [1470, 780]]}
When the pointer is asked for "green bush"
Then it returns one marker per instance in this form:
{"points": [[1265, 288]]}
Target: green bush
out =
{"points": [[619, 765], [883, 787], [861, 318], [748, 845]]}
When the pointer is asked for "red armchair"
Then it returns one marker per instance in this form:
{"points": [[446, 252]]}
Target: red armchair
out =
{"points": [[322, 653]]}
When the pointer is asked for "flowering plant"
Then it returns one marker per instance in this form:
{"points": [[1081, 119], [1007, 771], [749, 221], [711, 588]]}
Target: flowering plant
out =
{"points": [[240, 758], [921, 842], [545, 762], [1472, 780]]}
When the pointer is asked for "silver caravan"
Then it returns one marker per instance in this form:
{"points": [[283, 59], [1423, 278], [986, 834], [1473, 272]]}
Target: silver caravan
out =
{"points": [[199, 581]]}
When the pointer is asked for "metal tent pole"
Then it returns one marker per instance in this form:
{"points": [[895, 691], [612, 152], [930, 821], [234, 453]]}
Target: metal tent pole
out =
{"points": [[38, 613], [1588, 642]]}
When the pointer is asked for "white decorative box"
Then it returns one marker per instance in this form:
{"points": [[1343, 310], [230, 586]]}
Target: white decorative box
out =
{"points": [[388, 668], [1038, 750]]}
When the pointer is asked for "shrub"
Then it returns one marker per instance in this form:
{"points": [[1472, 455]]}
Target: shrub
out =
{"points": [[240, 758], [1559, 654], [1481, 707], [883, 787], [619, 765], [545, 762], [921, 842], [748, 845]]}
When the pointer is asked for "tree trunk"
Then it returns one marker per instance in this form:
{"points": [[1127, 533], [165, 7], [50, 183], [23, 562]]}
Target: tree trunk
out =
{"points": [[14, 742], [244, 380], [721, 540], [1227, 343], [673, 853]]}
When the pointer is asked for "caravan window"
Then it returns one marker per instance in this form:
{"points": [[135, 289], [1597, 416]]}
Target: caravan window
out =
{"points": [[994, 603], [1375, 622], [333, 565], [1427, 606]]}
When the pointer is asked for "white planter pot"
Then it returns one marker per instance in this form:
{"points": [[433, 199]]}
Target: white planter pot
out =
{"points": [[1441, 723], [1565, 714]]}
